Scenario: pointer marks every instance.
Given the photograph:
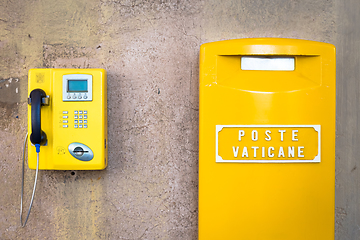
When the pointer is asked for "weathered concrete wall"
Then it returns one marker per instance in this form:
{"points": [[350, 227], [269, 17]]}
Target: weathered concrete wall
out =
{"points": [[150, 50], [348, 112]]}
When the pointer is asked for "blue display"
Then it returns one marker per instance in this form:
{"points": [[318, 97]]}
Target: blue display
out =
{"points": [[77, 86]]}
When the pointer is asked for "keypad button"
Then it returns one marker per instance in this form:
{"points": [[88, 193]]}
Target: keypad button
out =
{"points": [[65, 121], [80, 121], [85, 121], [85, 125], [75, 116], [74, 97], [85, 97], [65, 112], [85, 116], [85, 112], [80, 126], [65, 117], [80, 116], [75, 121], [75, 126], [68, 97], [65, 126], [75, 112], [80, 112], [80, 97]]}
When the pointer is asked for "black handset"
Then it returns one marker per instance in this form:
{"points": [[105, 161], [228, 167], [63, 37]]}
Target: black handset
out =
{"points": [[36, 100]]}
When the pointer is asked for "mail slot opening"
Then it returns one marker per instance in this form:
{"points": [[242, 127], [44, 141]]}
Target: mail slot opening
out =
{"points": [[267, 63]]}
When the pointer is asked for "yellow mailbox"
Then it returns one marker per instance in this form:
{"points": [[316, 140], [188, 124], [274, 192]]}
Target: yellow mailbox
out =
{"points": [[267, 140]]}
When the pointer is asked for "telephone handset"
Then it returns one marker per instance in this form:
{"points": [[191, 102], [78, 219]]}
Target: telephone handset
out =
{"points": [[67, 119], [36, 100]]}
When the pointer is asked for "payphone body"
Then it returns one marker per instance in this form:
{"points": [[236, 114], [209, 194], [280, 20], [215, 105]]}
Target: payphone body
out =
{"points": [[267, 140], [74, 121]]}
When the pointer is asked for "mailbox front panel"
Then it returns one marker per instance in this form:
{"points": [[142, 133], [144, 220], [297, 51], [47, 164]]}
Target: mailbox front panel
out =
{"points": [[267, 140]]}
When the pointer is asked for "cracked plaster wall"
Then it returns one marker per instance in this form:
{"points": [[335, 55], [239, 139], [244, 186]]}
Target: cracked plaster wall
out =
{"points": [[150, 50]]}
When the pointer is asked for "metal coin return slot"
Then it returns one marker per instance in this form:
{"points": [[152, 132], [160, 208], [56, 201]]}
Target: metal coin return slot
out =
{"points": [[81, 151]]}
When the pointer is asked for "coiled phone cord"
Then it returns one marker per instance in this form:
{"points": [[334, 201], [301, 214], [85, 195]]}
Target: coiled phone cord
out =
{"points": [[22, 182]]}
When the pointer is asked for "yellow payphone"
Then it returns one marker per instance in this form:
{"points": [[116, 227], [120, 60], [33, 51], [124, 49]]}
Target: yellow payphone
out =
{"points": [[267, 140], [68, 118], [67, 121]]}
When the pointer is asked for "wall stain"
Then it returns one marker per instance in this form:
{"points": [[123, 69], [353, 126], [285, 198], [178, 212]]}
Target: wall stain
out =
{"points": [[65, 56], [10, 90], [8, 113]]}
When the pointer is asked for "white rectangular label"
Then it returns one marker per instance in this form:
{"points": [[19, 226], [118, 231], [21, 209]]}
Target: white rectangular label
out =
{"points": [[268, 143], [268, 63]]}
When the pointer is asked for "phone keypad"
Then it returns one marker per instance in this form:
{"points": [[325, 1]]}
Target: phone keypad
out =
{"points": [[79, 115], [80, 118]]}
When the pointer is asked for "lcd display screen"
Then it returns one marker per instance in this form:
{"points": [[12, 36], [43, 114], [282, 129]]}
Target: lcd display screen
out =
{"points": [[77, 86]]}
